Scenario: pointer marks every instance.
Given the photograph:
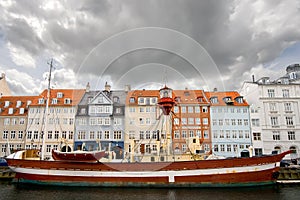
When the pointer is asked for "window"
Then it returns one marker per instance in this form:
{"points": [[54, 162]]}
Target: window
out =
{"points": [[22, 121], [289, 121], [176, 109], [197, 109], [54, 101], [20, 135], [214, 99], [255, 122], [287, 107], [190, 109], [117, 135], [59, 95], [132, 100], [197, 121], [227, 122], [41, 101], [198, 133], [276, 135], [221, 134], [241, 134], [204, 109], [176, 134], [215, 133], [214, 122], [148, 135], [246, 122], [206, 136], [239, 122], [291, 135], [5, 134], [256, 136], [106, 135], [216, 148], [183, 121], [92, 135], [285, 93], [205, 121], [228, 147], [274, 121], [67, 101], [183, 109], [190, 120], [222, 147], [233, 122], [183, 134], [48, 148], [220, 122], [227, 133], [191, 133], [271, 93], [234, 134], [272, 107], [141, 100]]}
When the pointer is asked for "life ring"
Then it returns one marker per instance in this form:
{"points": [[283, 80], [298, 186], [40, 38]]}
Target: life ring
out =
{"points": [[38, 153]]}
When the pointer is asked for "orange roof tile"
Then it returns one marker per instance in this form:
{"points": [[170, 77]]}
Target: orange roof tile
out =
{"points": [[220, 95], [75, 95], [15, 103]]}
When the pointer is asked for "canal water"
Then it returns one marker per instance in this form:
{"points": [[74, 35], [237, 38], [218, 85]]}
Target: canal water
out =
{"points": [[9, 191]]}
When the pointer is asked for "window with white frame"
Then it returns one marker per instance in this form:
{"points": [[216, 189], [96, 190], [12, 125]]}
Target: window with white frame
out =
{"points": [[276, 135], [287, 106], [285, 93], [289, 120], [291, 135], [271, 93]]}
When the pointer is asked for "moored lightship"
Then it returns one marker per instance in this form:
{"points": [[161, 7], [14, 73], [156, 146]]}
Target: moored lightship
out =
{"points": [[250, 171]]}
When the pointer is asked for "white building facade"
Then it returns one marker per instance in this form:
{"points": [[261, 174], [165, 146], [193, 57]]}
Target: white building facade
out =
{"points": [[275, 112]]}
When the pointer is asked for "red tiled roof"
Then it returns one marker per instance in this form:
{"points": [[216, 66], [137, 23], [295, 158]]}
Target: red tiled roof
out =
{"points": [[220, 95], [75, 95], [13, 101]]}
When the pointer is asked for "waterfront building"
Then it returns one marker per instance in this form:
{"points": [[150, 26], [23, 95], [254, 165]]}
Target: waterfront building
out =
{"points": [[142, 124], [100, 121], [13, 122], [230, 123], [59, 128], [275, 112], [191, 119], [4, 89]]}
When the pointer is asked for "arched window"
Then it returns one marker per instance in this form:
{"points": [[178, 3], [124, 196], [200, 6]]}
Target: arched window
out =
{"points": [[278, 149]]}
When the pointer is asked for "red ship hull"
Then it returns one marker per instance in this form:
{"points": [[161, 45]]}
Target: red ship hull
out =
{"points": [[206, 173]]}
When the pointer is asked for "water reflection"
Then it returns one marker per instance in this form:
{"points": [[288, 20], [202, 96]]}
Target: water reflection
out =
{"points": [[13, 191]]}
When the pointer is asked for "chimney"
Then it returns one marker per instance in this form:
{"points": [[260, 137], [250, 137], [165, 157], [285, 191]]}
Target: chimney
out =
{"points": [[87, 88], [215, 89], [253, 79], [127, 88], [107, 87]]}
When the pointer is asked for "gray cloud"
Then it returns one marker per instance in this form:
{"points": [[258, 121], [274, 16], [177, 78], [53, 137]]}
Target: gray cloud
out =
{"points": [[238, 35]]}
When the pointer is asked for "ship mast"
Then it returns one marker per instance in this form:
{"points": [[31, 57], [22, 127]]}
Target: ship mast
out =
{"points": [[46, 110]]}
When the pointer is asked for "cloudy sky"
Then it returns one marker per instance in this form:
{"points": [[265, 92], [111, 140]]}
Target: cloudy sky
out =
{"points": [[183, 43]]}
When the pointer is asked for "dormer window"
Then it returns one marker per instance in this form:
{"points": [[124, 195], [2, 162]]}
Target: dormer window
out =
{"points": [[90, 99], [28, 102], [239, 99], [177, 99], [141, 100], [116, 99], [54, 101], [200, 99], [132, 100], [21, 111], [67, 101], [19, 103], [214, 99], [227, 100], [6, 104], [41, 100], [59, 95], [10, 111]]}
